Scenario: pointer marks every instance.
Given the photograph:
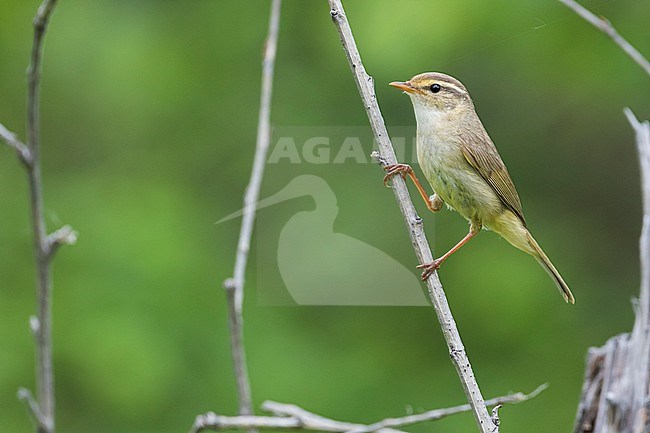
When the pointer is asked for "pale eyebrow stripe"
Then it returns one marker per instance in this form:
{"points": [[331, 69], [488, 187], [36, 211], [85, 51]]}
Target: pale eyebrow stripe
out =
{"points": [[451, 86]]}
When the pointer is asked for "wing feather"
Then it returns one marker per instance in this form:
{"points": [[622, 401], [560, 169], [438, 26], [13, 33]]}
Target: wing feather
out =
{"points": [[483, 156]]}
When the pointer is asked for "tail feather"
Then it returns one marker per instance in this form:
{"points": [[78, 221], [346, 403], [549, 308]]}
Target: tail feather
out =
{"points": [[550, 269]]}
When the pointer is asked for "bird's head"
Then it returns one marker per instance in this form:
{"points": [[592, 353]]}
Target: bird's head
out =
{"points": [[435, 92]]}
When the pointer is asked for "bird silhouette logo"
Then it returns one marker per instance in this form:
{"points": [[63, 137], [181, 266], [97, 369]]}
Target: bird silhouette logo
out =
{"points": [[319, 266]]}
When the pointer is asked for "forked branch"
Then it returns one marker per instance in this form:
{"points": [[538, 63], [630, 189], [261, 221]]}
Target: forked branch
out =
{"points": [[235, 286], [292, 417], [41, 407]]}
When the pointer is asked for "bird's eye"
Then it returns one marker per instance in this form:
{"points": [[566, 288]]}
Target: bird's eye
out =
{"points": [[435, 88]]}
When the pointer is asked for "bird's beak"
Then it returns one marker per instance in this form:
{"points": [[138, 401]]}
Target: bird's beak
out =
{"points": [[404, 85]]}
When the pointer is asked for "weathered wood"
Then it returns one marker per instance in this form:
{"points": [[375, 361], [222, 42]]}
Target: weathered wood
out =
{"points": [[615, 395]]}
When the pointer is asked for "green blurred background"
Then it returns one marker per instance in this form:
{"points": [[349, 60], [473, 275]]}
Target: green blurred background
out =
{"points": [[149, 111]]}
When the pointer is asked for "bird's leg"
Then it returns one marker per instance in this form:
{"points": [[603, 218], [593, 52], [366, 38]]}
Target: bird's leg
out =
{"points": [[434, 203], [430, 268]]}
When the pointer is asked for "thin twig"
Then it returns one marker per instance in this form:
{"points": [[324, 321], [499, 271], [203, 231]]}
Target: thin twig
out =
{"points": [[436, 414], [312, 421], [212, 421], [606, 27], [302, 421], [365, 85], [26, 396], [292, 417], [42, 325], [235, 286], [12, 141]]}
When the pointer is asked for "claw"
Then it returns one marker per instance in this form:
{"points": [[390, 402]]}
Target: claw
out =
{"points": [[429, 268], [393, 169]]}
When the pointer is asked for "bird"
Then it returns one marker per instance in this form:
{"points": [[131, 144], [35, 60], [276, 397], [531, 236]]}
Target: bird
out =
{"points": [[465, 170]]}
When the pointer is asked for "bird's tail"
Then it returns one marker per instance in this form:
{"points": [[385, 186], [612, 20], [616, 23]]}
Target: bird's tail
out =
{"points": [[550, 269]]}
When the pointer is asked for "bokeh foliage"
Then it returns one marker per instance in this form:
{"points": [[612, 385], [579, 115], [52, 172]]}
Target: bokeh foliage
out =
{"points": [[149, 111]]}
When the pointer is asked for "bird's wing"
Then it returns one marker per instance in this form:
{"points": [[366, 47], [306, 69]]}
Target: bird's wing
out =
{"points": [[483, 156]]}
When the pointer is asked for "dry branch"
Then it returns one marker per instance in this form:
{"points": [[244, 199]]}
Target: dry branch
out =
{"points": [[616, 390], [437, 414], [292, 417], [365, 85], [43, 334], [615, 393], [606, 27], [235, 286], [42, 407]]}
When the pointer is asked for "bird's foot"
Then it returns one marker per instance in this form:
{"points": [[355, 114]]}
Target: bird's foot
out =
{"points": [[429, 268], [393, 169]]}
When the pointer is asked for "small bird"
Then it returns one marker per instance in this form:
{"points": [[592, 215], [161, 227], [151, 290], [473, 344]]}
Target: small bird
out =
{"points": [[465, 169]]}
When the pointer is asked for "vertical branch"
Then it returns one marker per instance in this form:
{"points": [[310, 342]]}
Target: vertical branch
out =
{"points": [[615, 395], [235, 286], [457, 352], [45, 246], [639, 363], [615, 392], [642, 131], [42, 326]]}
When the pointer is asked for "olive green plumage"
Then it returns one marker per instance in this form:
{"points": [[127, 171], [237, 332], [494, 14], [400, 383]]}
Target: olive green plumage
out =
{"points": [[464, 167]]}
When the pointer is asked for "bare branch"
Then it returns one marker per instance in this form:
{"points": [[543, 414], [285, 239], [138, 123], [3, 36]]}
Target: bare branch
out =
{"points": [[606, 27], [615, 394], [235, 286], [212, 421], [615, 390], [436, 414], [292, 417], [639, 364], [311, 421], [365, 86], [307, 421], [41, 325], [12, 141], [642, 132]]}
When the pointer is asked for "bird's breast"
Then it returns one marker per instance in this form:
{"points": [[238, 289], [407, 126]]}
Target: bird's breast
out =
{"points": [[454, 179]]}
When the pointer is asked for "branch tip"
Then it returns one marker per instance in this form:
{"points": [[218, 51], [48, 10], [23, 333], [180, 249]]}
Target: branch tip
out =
{"points": [[229, 285], [43, 14], [202, 421], [18, 146], [537, 391], [34, 325], [26, 396], [379, 159], [66, 235], [63, 236], [495, 414]]}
